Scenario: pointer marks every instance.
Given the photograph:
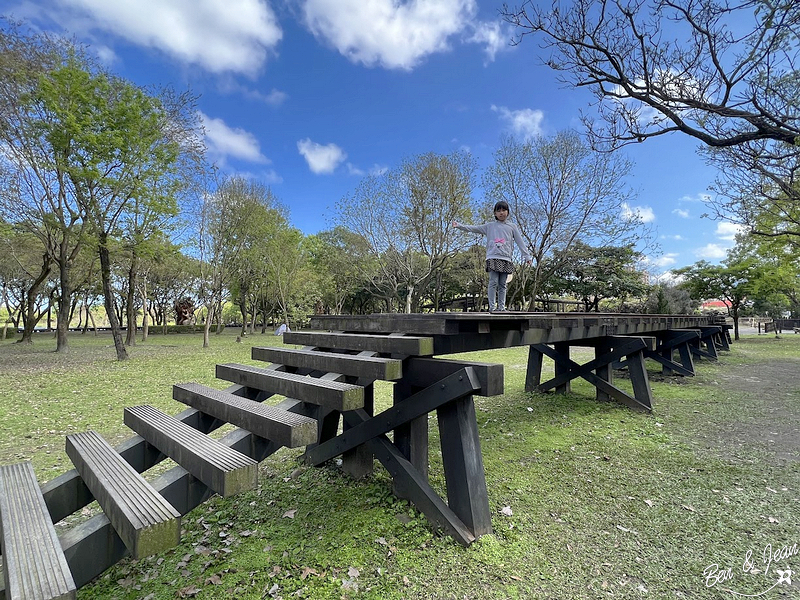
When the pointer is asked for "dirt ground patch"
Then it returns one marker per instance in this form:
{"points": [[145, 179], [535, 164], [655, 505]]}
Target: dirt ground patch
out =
{"points": [[764, 413]]}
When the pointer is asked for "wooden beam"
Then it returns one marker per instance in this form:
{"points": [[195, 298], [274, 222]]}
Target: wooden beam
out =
{"points": [[384, 344]]}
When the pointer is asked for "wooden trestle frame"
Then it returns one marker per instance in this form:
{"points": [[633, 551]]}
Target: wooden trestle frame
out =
{"points": [[331, 379]]}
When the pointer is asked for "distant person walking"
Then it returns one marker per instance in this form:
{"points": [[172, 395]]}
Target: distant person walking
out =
{"points": [[500, 238]]}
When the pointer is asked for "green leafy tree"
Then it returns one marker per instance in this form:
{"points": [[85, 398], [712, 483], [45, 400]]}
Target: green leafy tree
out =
{"points": [[731, 282], [593, 275]]}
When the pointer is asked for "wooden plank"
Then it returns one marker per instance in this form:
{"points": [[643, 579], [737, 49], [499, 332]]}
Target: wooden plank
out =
{"points": [[423, 372], [270, 422], [372, 367], [145, 521], [330, 394], [459, 384], [425, 324], [222, 469], [34, 565], [384, 344]]}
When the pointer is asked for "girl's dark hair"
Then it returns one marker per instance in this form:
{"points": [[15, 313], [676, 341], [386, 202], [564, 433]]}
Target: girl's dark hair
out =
{"points": [[499, 205]]}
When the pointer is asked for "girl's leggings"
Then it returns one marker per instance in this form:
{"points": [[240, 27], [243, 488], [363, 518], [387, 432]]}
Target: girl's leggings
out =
{"points": [[497, 289]]}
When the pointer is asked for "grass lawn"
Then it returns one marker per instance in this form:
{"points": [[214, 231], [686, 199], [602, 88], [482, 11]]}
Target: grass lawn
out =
{"points": [[589, 499]]}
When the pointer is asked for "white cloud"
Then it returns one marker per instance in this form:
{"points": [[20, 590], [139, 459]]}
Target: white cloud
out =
{"points": [[727, 231], [702, 197], [224, 141], [644, 213], [219, 35], [666, 260], [321, 159], [526, 123], [677, 237], [683, 214], [388, 33], [274, 97], [711, 252], [493, 36]]}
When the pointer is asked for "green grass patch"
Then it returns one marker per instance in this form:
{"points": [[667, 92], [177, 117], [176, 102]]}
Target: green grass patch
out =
{"points": [[589, 499]]}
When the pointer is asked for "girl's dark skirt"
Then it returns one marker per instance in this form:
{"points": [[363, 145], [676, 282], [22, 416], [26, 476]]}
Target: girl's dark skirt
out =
{"points": [[499, 265]]}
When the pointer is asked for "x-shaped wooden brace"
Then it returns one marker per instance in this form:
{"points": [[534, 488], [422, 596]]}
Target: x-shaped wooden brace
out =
{"points": [[612, 349], [466, 515], [679, 340]]}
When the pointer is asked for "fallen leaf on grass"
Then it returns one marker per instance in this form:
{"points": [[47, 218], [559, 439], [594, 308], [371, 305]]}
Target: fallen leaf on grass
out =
{"points": [[290, 513], [688, 507], [353, 572], [214, 580], [306, 572], [189, 591], [773, 520], [648, 502], [506, 510]]}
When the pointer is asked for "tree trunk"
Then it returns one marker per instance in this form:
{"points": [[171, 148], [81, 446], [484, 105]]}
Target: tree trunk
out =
{"points": [[145, 311], [130, 301], [108, 296], [62, 319], [207, 325], [29, 319]]}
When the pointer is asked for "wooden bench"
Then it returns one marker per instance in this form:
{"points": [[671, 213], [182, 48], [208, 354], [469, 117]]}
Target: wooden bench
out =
{"points": [[222, 469], [269, 422], [34, 565], [143, 519]]}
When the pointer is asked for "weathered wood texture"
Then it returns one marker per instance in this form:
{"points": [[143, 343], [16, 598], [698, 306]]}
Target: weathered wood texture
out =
{"points": [[34, 565], [330, 394], [371, 367], [145, 521], [269, 422], [224, 470]]}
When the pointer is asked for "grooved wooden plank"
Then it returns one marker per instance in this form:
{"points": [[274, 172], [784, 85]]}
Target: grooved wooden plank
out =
{"points": [[34, 565], [223, 469], [405, 344], [370, 367], [269, 422], [144, 520], [331, 394]]}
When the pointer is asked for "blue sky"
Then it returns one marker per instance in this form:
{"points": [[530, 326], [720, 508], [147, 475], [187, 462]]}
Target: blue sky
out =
{"points": [[308, 96]]}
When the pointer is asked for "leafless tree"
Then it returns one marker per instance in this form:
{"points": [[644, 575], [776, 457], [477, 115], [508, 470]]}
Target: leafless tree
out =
{"points": [[560, 191], [724, 72]]}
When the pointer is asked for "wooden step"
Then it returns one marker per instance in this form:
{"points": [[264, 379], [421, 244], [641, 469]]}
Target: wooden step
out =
{"points": [[370, 367], [34, 565], [269, 422], [143, 519], [223, 469], [405, 345], [330, 394]]}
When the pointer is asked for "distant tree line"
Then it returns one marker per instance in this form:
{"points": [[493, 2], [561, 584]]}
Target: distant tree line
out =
{"points": [[107, 199]]}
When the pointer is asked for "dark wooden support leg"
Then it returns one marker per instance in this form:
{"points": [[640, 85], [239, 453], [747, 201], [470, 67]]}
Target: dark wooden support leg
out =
{"points": [[667, 355], [639, 379], [463, 465], [412, 438], [359, 462], [685, 354], [533, 376], [605, 371], [562, 348]]}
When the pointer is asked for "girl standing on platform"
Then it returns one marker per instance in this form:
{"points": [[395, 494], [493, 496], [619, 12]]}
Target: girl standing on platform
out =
{"points": [[500, 238]]}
